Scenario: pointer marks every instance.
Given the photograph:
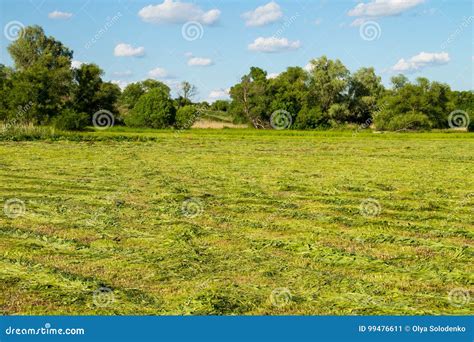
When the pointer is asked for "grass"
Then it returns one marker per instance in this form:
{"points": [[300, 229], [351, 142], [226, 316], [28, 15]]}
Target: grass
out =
{"points": [[237, 222]]}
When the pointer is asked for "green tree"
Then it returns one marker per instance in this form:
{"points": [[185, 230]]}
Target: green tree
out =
{"points": [[421, 105], [33, 47], [365, 89], [220, 105], [464, 101], [5, 86], [311, 118], [153, 109], [87, 82], [185, 117], [328, 83], [338, 113], [43, 74], [90, 93], [131, 94], [250, 99], [134, 91], [107, 97], [399, 81], [289, 91]]}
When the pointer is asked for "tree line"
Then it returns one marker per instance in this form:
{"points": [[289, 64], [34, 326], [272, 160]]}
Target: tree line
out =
{"points": [[328, 95], [44, 89]]}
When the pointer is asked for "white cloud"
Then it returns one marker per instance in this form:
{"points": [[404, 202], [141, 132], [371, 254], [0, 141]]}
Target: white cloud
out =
{"points": [[177, 12], [273, 44], [59, 15], [219, 94], [127, 50], [159, 73], [420, 61], [263, 15], [383, 8], [126, 73], [199, 61], [318, 21], [76, 64]]}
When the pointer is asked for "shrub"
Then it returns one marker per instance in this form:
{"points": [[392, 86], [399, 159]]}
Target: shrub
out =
{"points": [[311, 118], [470, 128], [396, 122], [69, 120], [338, 113], [154, 109], [186, 117], [220, 105]]}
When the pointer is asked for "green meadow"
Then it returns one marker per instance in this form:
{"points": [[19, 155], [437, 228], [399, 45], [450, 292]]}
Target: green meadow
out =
{"points": [[227, 222]]}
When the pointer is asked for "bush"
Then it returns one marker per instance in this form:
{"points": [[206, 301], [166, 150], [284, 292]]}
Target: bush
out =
{"points": [[154, 109], [69, 120], [186, 117], [338, 113], [220, 105], [311, 118], [408, 121]]}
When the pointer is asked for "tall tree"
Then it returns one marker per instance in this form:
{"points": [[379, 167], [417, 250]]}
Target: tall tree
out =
{"points": [[289, 91], [134, 91], [43, 74], [5, 86], [187, 91], [153, 109], [250, 98], [87, 83], [328, 82], [365, 89]]}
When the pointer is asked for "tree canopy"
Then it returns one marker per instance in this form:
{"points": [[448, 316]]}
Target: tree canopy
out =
{"points": [[43, 88]]}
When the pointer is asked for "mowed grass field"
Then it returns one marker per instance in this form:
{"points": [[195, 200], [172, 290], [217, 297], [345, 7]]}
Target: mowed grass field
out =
{"points": [[239, 222]]}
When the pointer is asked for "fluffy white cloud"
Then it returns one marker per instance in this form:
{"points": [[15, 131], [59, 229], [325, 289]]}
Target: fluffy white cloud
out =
{"points": [[126, 50], [76, 64], [383, 8], [420, 61], [59, 15], [199, 61], [273, 44], [171, 11], [263, 15], [219, 94], [126, 73], [159, 73]]}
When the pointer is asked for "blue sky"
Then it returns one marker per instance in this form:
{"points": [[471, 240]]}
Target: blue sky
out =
{"points": [[213, 43]]}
